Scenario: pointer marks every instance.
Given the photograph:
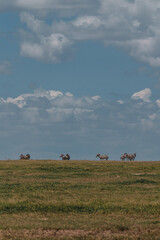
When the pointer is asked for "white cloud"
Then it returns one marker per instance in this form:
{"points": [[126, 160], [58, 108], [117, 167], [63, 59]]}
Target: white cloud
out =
{"points": [[120, 101], [51, 94], [143, 95], [96, 98], [153, 61], [62, 8], [32, 50], [34, 24], [68, 94], [87, 22], [50, 48], [158, 102], [21, 100], [133, 25], [57, 106]]}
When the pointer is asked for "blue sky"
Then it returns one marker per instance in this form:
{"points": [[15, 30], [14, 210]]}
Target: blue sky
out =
{"points": [[79, 76]]}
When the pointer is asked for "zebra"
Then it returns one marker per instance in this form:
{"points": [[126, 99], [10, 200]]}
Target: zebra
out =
{"points": [[102, 156], [27, 156], [123, 156], [65, 157], [131, 156]]}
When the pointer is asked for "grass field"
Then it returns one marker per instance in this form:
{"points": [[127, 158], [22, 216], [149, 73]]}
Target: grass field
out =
{"points": [[79, 200]]}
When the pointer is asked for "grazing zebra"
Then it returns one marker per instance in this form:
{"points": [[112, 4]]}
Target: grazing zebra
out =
{"points": [[27, 156], [65, 157], [123, 156], [102, 156]]}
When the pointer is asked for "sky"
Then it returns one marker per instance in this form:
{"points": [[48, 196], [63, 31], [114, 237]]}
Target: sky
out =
{"points": [[79, 77]]}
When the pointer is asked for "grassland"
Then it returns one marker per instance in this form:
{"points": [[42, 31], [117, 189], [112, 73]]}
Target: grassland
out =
{"points": [[79, 200]]}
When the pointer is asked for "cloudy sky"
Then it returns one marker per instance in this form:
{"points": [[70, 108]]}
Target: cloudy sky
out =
{"points": [[79, 76]]}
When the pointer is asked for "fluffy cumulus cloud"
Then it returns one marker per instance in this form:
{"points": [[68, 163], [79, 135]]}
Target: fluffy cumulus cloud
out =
{"points": [[46, 123], [143, 95], [132, 25], [52, 48]]}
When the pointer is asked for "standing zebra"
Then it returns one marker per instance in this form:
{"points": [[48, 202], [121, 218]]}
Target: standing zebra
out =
{"points": [[27, 156], [102, 157], [65, 157], [123, 156], [131, 156]]}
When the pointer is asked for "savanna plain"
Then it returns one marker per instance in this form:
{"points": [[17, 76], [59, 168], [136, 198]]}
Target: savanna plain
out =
{"points": [[49, 199]]}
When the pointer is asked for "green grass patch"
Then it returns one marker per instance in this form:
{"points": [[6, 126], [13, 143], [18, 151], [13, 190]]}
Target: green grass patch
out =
{"points": [[96, 196]]}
